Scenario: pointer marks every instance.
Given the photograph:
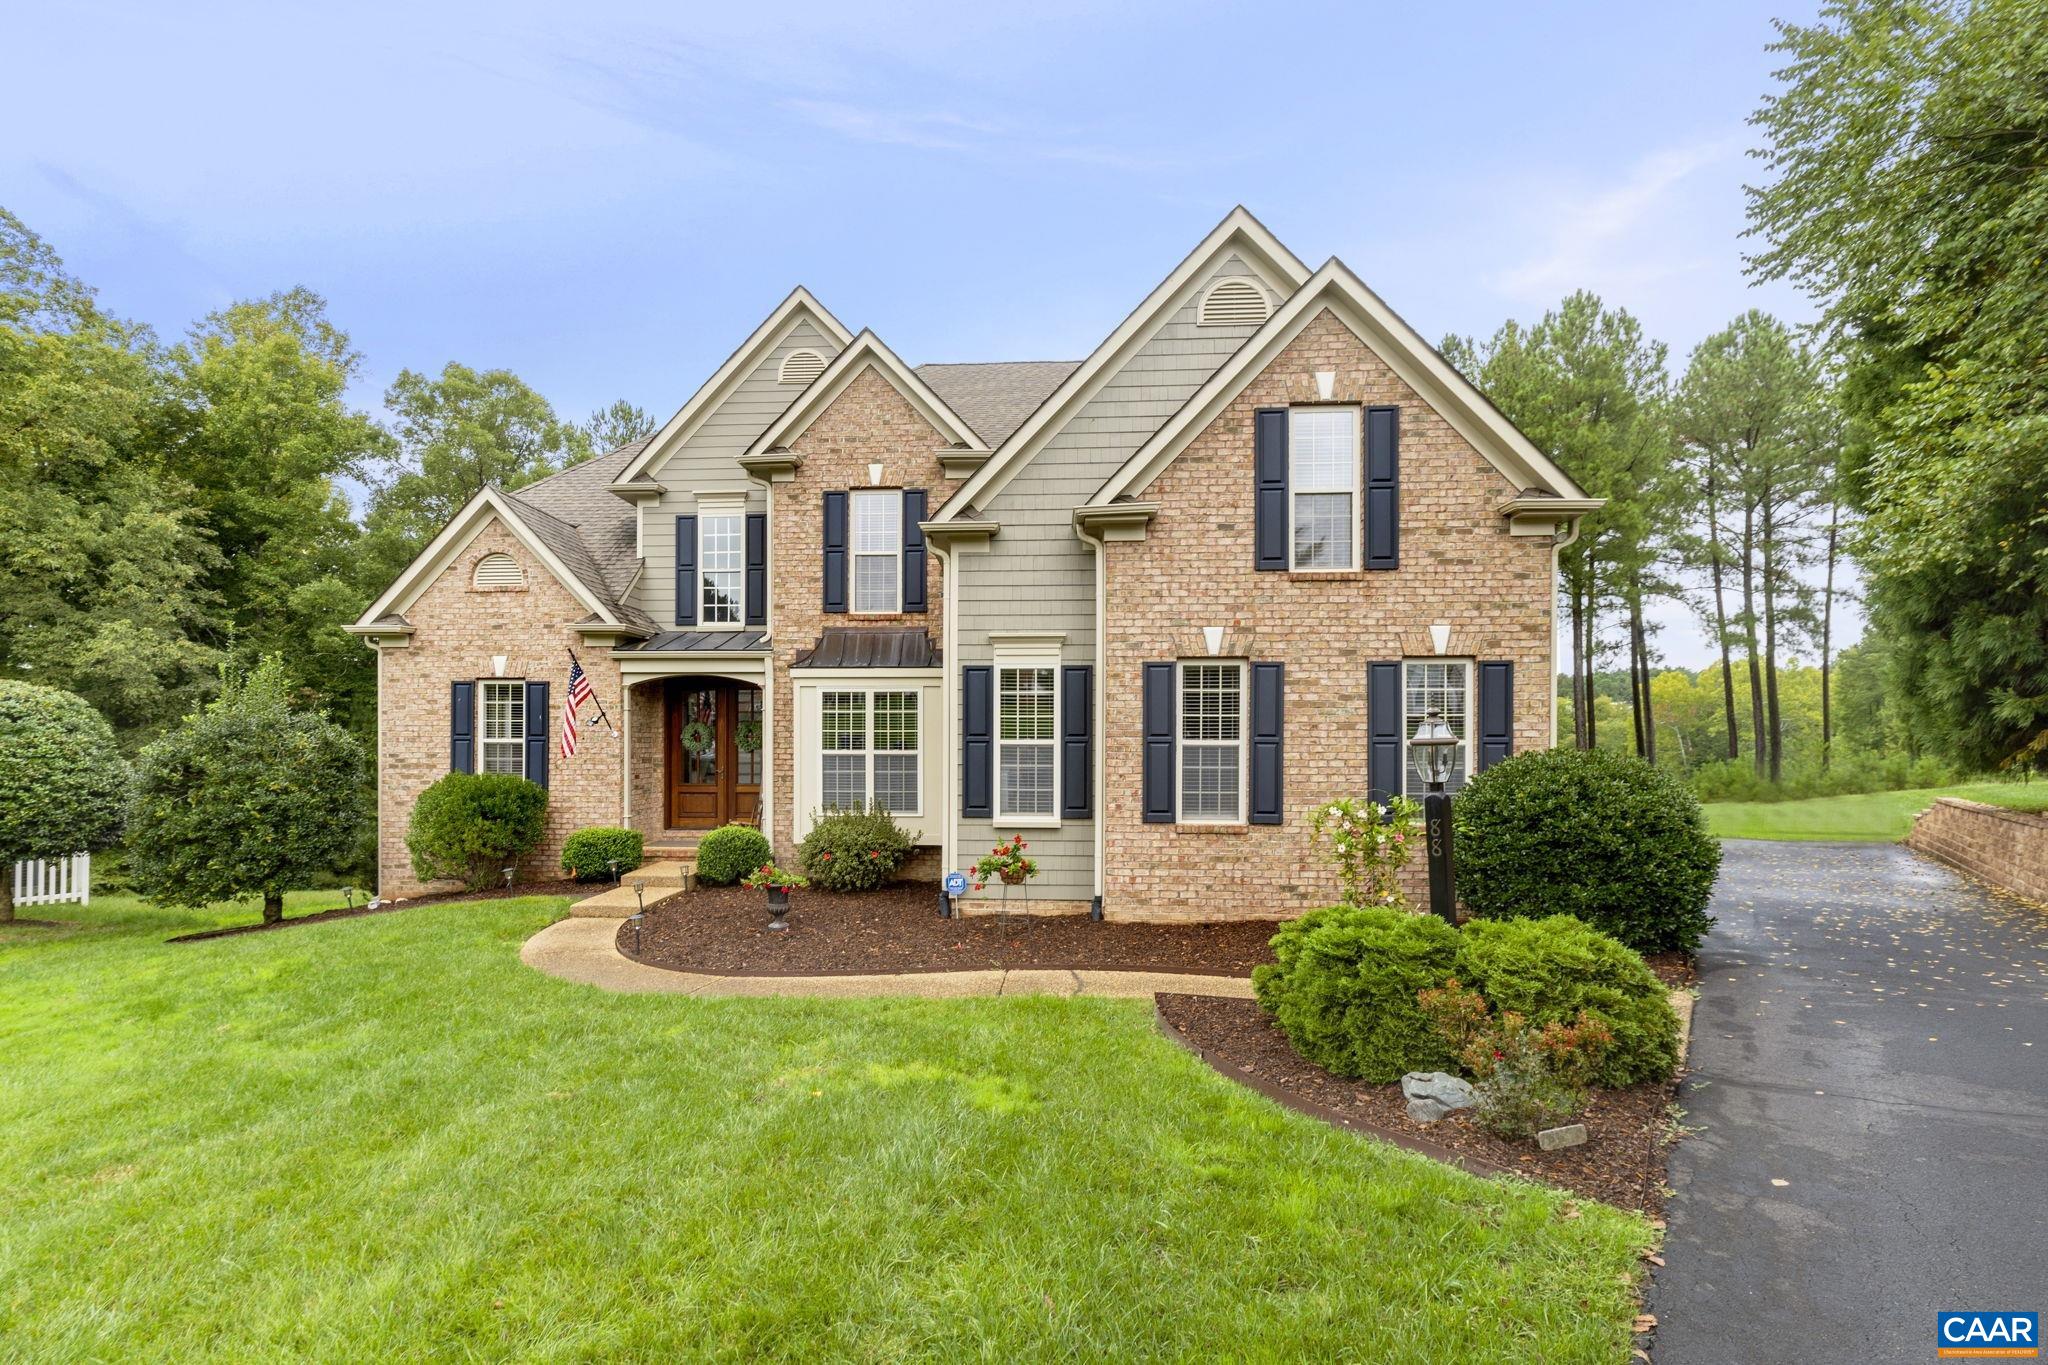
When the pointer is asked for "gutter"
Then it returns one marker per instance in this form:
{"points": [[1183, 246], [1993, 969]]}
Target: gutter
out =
{"points": [[1101, 726]]}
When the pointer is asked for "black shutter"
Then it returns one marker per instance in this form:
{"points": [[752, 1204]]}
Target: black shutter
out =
{"points": [[1269, 691], [1077, 702], [1269, 496], [757, 568], [977, 742], [1382, 488], [835, 552], [913, 550], [1383, 730], [462, 727], [537, 732], [1159, 689], [686, 571], [1496, 712]]}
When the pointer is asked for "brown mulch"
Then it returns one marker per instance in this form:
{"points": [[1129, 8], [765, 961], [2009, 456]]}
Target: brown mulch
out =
{"points": [[1622, 1161], [724, 931], [557, 887], [1675, 969]]}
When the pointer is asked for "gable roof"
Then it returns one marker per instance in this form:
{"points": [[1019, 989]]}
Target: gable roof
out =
{"points": [[579, 496], [864, 352], [997, 396], [1240, 232], [1414, 360], [798, 307]]}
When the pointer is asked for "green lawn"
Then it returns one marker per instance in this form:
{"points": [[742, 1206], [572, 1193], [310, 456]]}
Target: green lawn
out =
{"points": [[1878, 815], [385, 1138]]}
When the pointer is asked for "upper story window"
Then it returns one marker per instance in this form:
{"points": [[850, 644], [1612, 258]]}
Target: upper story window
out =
{"points": [[877, 550], [498, 571], [1212, 743], [504, 728], [1322, 483], [801, 367], [721, 565], [1436, 685], [1236, 302]]}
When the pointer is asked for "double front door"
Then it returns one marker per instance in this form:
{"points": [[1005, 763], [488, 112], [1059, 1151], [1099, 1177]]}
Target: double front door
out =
{"points": [[714, 748]]}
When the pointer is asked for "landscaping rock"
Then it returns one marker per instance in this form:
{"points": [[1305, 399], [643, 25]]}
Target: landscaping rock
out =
{"points": [[1433, 1094], [1552, 1139]]}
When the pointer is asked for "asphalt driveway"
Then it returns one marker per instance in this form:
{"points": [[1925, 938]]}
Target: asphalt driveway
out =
{"points": [[1869, 1086]]}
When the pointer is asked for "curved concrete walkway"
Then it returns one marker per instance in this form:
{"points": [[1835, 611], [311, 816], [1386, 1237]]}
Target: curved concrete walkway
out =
{"points": [[585, 951]]}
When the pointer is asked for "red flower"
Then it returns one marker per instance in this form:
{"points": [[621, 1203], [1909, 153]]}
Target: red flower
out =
{"points": [[874, 853], [981, 886], [824, 857]]}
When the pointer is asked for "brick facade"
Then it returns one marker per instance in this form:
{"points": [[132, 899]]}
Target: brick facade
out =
{"points": [[2006, 848], [458, 628], [1459, 566]]}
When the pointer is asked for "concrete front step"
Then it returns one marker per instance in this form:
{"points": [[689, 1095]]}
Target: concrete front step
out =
{"points": [[672, 872], [619, 902]]}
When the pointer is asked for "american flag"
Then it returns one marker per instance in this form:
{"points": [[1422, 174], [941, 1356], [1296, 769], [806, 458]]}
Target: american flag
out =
{"points": [[580, 691]]}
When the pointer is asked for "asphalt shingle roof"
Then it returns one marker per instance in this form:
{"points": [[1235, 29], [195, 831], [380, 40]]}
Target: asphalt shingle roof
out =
{"points": [[995, 397]]}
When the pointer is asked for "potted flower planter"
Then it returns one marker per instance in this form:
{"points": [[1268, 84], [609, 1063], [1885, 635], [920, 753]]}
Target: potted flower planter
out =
{"points": [[778, 907], [777, 884]]}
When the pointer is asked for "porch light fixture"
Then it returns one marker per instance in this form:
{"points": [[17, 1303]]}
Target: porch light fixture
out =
{"points": [[1436, 750]]}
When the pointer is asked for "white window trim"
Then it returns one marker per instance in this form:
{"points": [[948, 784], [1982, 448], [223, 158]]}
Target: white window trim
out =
{"points": [[854, 554], [1355, 491], [868, 751], [707, 508], [1025, 652], [1467, 744], [483, 710], [1243, 743]]}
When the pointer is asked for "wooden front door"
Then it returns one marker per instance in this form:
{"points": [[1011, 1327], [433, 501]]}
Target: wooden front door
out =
{"points": [[714, 751]]}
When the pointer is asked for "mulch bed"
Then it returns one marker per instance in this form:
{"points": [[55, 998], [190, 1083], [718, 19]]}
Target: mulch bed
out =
{"points": [[561, 887], [1622, 1161], [723, 931]]}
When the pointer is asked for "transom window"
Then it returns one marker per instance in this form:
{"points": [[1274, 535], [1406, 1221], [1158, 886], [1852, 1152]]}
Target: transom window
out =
{"points": [[1212, 743], [871, 753], [877, 550], [1322, 483], [1027, 724], [1441, 685], [721, 567], [504, 729]]}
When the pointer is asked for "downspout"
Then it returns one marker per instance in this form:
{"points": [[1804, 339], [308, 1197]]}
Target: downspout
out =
{"points": [[949, 669], [768, 792], [1557, 547], [1100, 728]]}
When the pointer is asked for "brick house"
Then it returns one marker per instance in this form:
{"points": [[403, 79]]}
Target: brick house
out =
{"points": [[1148, 609]]}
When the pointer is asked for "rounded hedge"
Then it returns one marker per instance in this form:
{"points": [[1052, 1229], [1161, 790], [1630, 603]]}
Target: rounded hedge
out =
{"points": [[1600, 836], [588, 854], [1343, 984], [472, 825], [730, 852], [853, 850], [62, 781], [1550, 969]]}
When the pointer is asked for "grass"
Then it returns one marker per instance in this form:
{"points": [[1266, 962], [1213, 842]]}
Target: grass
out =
{"points": [[1873, 816], [386, 1138]]}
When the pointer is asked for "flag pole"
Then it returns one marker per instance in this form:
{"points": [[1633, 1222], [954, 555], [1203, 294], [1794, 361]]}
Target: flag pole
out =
{"points": [[594, 697]]}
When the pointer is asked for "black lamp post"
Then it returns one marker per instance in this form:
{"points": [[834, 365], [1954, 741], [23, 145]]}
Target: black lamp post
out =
{"points": [[1436, 750]]}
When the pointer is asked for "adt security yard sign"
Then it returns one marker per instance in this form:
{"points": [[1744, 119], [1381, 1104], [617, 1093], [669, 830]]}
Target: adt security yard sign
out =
{"points": [[2002, 1336], [956, 883]]}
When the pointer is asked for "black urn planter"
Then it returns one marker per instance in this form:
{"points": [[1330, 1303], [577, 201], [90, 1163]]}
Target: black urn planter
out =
{"points": [[778, 907]]}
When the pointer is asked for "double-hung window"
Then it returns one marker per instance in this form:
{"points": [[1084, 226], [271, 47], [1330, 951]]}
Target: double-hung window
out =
{"points": [[1436, 685], [871, 752], [1027, 740], [1322, 482], [504, 729], [1212, 765], [877, 550], [721, 565]]}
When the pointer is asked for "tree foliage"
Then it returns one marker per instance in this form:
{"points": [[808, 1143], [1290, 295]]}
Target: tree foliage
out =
{"points": [[620, 424], [62, 780]]}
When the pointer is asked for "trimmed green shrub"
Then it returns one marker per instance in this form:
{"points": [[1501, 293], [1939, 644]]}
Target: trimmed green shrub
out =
{"points": [[471, 825], [1343, 989], [1600, 836], [588, 854], [853, 850], [1550, 969], [62, 781], [730, 852]]}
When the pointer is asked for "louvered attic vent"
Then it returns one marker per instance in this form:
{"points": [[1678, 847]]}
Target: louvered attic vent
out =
{"points": [[801, 367], [1234, 303], [499, 571]]}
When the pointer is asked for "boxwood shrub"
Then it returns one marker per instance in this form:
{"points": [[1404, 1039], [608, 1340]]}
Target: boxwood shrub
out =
{"points": [[853, 850], [588, 854], [471, 825], [730, 852], [1600, 836], [1343, 984]]}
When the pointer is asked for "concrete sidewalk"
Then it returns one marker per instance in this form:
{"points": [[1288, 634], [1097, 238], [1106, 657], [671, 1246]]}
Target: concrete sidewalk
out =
{"points": [[583, 950]]}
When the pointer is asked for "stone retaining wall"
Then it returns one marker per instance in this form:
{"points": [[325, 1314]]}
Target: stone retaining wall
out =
{"points": [[2007, 848]]}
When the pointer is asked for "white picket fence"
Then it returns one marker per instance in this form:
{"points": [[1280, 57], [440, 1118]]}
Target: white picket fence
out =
{"points": [[51, 881]]}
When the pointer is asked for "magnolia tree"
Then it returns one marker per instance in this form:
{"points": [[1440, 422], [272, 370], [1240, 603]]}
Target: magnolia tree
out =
{"points": [[61, 779], [245, 797]]}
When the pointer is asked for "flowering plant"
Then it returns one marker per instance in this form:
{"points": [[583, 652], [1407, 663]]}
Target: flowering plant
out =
{"points": [[1369, 843], [1007, 862], [774, 878]]}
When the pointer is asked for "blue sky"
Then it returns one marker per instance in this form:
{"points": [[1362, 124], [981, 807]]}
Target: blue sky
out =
{"points": [[606, 198]]}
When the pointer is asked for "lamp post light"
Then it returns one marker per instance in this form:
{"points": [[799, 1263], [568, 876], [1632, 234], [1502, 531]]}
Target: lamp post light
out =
{"points": [[1436, 750]]}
